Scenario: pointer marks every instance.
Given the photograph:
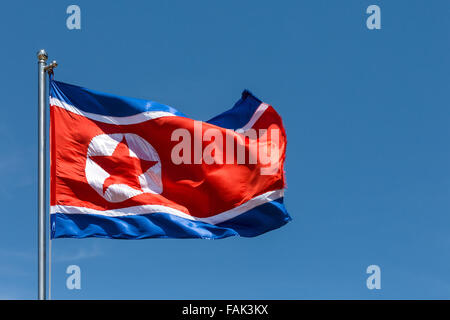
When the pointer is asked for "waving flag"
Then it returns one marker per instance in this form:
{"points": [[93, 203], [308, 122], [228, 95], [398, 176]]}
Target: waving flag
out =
{"points": [[128, 168]]}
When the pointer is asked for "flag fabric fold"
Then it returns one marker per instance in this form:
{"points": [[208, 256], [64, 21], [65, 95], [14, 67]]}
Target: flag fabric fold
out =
{"points": [[127, 168]]}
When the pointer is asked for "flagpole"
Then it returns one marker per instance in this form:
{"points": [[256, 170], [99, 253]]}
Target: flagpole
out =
{"points": [[42, 61]]}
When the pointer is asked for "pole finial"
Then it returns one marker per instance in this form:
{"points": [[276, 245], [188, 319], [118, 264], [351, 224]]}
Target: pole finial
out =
{"points": [[49, 68], [42, 55]]}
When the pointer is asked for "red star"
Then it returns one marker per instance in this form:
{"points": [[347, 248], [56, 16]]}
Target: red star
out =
{"points": [[123, 168]]}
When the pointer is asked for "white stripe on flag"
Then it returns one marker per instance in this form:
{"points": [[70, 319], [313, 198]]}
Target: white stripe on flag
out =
{"points": [[258, 113], [137, 118], [146, 209]]}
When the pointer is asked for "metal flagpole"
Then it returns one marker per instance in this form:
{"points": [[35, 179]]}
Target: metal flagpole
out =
{"points": [[42, 185], [42, 61]]}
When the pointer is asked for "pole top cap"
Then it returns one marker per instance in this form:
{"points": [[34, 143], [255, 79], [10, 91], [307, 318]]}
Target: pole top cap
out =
{"points": [[42, 55]]}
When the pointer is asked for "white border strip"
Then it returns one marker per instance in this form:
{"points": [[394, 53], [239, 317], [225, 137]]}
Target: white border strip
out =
{"points": [[137, 118], [258, 113], [146, 209]]}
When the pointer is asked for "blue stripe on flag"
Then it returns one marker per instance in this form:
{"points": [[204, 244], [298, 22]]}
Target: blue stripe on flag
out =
{"points": [[256, 221], [103, 103], [240, 114], [106, 104]]}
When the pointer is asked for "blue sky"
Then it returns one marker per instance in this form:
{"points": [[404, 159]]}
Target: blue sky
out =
{"points": [[367, 119]]}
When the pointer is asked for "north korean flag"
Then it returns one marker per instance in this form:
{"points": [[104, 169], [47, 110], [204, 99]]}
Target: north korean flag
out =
{"points": [[127, 168]]}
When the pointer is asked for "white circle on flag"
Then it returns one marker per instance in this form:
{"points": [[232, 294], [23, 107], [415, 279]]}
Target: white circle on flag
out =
{"points": [[104, 145]]}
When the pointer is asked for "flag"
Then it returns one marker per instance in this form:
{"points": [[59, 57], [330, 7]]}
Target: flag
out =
{"points": [[127, 168]]}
